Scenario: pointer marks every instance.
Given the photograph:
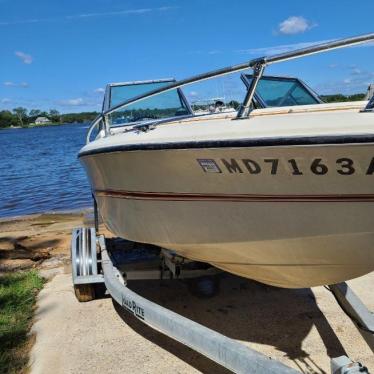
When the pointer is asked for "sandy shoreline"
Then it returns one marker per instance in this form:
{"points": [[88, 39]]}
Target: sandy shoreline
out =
{"points": [[27, 241], [25, 217]]}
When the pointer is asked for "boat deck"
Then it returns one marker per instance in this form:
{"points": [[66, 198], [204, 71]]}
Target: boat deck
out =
{"points": [[303, 121]]}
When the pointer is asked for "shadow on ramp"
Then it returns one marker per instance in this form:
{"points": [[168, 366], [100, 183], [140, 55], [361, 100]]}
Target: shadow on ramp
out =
{"points": [[243, 310]]}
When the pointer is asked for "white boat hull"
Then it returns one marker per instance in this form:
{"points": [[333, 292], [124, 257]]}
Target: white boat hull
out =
{"points": [[286, 223]]}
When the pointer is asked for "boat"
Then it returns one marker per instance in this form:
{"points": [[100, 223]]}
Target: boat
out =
{"points": [[209, 106], [281, 191]]}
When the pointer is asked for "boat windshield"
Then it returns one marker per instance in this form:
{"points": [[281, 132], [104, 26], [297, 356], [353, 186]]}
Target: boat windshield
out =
{"points": [[281, 91], [165, 105]]}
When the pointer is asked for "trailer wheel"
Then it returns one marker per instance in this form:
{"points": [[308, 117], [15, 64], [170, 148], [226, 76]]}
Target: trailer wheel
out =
{"points": [[204, 287], [84, 292], [84, 264]]}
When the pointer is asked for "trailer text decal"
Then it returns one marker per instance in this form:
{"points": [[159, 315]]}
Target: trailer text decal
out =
{"points": [[132, 307], [294, 166]]}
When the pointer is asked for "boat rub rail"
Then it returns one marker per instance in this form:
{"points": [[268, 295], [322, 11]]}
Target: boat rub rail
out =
{"points": [[236, 143]]}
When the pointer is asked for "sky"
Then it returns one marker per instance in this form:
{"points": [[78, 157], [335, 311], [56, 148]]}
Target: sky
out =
{"points": [[61, 54]]}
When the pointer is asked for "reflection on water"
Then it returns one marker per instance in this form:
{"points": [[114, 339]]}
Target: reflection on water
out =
{"points": [[39, 170]]}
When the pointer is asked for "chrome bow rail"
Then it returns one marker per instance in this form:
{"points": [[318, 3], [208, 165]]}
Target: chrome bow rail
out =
{"points": [[258, 65]]}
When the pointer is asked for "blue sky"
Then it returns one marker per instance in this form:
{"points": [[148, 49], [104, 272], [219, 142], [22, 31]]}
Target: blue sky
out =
{"points": [[60, 54]]}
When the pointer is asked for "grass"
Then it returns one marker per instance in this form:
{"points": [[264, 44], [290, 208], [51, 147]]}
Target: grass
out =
{"points": [[18, 293]]}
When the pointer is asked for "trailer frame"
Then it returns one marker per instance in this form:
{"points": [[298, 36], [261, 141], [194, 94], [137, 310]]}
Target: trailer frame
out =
{"points": [[93, 264]]}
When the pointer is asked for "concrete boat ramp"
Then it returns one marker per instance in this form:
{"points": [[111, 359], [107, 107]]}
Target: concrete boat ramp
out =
{"points": [[301, 328]]}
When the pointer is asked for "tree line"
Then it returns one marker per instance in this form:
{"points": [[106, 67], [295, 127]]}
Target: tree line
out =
{"points": [[25, 118], [337, 98]]}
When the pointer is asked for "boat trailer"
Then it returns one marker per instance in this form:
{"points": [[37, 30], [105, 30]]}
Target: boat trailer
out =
{"points": [[99, 261]]}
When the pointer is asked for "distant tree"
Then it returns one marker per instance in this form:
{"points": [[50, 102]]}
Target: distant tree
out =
{"points": [[54, 112], [356, 97], [78, 117], [54, 115], [34, 113], [233, 104], [19, 117], [21, 114], [338, 98], [7, 119]]}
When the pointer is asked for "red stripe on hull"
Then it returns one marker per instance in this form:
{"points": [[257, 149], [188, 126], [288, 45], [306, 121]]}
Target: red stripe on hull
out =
{"points": [[172, 196]]}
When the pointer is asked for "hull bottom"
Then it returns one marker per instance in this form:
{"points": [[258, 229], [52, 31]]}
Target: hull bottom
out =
{"points": [[267, 249], [295, 263], [291, 245]]}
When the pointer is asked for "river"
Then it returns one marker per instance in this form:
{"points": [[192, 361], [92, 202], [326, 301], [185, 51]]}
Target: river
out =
{"points": [[40, 171]]}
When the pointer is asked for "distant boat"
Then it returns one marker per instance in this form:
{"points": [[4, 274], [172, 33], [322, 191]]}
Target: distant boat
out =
{"points": [[281, 192], [210, 106]]}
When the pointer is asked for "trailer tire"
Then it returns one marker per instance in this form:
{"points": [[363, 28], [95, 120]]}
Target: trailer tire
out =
{"points": [[204, 287], [84, 292]]}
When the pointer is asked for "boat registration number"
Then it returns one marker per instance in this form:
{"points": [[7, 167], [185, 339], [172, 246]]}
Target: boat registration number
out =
{"points": [[294, 166]]}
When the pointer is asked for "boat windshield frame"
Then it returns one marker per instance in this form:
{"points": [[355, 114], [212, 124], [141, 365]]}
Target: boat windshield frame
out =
{"points": [[257, 65], [247, 79], [108, 88], [182, 97], [370, 105]]}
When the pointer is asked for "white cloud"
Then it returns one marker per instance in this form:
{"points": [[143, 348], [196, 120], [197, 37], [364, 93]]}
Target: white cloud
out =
{"points": [[295, 25], [165, 8], [290, 47], [214, 52], [72, 102], [115, 13], [26, 59], [13, 84], [356, 71], [5, 100], [279, 48], [193, 94], [139, 11], [356, 82], [99, 90]]}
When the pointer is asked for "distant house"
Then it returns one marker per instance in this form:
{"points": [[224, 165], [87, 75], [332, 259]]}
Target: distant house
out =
{"points": [[42, 121]]}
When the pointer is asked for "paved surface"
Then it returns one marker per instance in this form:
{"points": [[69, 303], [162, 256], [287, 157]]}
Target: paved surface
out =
{"points": [[302, 328]]}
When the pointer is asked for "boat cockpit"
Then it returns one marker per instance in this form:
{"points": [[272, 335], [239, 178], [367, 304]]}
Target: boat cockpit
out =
{"points": [[271, 91]]}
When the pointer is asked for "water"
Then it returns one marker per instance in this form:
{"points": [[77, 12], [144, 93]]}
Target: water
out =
{"points": [[40, 172]]}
